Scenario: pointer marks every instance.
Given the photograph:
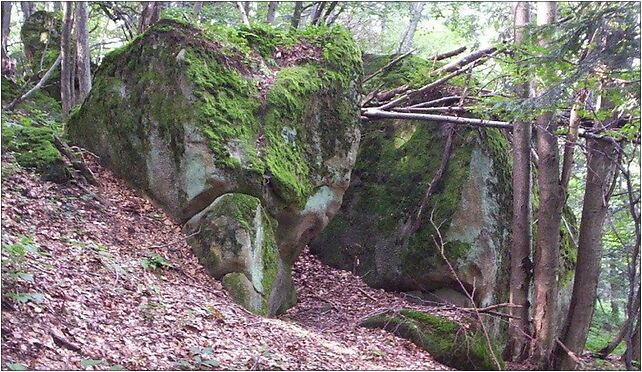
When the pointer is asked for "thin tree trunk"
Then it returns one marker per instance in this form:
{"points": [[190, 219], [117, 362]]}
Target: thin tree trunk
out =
{"points": [[8, 65], [520, 273], [635, 346], [198, 7], [37, 87], [547, 252], [82, 50], [327, 13], [316, 15], [296, 16], [149, 16], [601, 168], [409, 35], [27, 8], [66, 62], [271, 12], [57, 6], [243, 12]]}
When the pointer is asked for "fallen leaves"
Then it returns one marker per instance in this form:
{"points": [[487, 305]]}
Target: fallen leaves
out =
{"points": [[121, 289]]}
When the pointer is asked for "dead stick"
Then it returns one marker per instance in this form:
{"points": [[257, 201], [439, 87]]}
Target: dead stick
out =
{"points": [[389, 65]]}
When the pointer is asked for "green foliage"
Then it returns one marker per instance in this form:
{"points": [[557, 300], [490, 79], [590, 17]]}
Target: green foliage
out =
{"points": [[200, 359], [16, 366], [16, 275], [154, 262]]}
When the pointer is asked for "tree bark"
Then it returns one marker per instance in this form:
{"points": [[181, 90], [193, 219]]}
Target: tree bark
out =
{"points": [[316, 15], [82, 50], [27, 8], [520, 272], [635, 346], [66, 64], [601, 167], [271, 12], [415, 16], [296, 15], [149, 16], [8, 64], [328, 11], [547, 251], [57, 6], [198, 7], [243, 12]]}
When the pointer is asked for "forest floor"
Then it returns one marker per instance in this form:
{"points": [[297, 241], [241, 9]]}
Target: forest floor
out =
{"points": [[99, 278], [114, 285]]}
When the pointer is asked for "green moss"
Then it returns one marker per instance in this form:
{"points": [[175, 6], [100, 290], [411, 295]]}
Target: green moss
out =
{"points": [[33, 148], [447, 341], [236, 285]]}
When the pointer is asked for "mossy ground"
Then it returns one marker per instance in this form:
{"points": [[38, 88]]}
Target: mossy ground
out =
{"points": [[447, 341]]}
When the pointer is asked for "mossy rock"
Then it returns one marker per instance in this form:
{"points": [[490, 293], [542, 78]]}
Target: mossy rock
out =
{"points": [[187, 115], [449, 342], [33, 148], [234, 239], [40, 35]]}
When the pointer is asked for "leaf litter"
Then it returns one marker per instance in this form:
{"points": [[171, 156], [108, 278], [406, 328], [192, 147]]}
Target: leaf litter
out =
{"points": [[121, 289]]}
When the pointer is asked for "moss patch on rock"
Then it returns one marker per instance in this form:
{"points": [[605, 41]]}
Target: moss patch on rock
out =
{"points": [[455, 345], [40, 35], [33, 148]]}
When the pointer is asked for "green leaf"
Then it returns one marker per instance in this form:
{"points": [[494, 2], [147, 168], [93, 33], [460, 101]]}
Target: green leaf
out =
{"points": [[90, 362], [116, 367], [16, 366], [27, 277]]}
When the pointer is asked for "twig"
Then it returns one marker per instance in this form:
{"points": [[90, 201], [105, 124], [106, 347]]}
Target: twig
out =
{"points": [[474, 56], [367, 294], [378, 113], [177, 240], [570, 353], [76, 162], [36, 87], [389, 65]]}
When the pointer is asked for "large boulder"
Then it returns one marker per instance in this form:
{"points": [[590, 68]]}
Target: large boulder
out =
{"points": [[472, 206], [40, 36], [187, 116]]}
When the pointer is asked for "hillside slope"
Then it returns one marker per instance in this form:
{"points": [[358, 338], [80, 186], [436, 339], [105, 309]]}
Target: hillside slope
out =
{"points": [[120, 288]]}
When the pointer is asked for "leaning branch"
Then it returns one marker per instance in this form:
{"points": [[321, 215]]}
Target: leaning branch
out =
{"points": [[37, 87], [389, 65], [380, 114], [454, 66]]}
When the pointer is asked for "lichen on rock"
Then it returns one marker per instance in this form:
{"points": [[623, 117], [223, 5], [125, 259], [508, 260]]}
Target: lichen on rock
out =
{"points": [[188, 115]]}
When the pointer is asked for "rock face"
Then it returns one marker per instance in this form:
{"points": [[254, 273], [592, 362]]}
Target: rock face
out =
{"points": [[40, 34], [202, 121], [397, 161]]}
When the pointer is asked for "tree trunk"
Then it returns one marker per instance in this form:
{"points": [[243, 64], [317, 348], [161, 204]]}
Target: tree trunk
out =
{"points": [[635, 346], [327, 13], [601, 168], [149, 16], [520, 272], [27, 8], [271, 13], [198, 6], [547, 251], [8, 64], [66, 64], [82, 50], [409, 35], [316, 15], [296, 16], [56, 6], [241, 7]]}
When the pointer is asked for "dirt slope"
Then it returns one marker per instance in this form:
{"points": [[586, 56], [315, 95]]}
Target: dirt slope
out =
{"points": [[121, 289]]}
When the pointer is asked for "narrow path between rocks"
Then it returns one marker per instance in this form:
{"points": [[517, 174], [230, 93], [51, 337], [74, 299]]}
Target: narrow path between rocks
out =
{"points": [[120, 287]]}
